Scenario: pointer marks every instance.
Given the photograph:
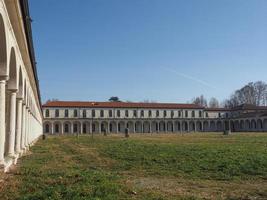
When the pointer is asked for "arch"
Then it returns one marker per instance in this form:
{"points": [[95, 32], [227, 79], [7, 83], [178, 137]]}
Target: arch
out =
{"points": [[247, 125], [130, 126], [95, 127], [3, 49], [121, 127], [66, 127], [104, 127], [20, 86], [138, 127], [85, 127], [154, 127], [47, 128], [198, 126], [184, 126], [177, 126], [259, 125], [170, 126], [219, 125], [13, 71], [57, 128], [212, 126], [162, 126], [242, 125], [113, 127], [206, 126], [146, 128], [191, 126], [253, 125], [265, 124]]}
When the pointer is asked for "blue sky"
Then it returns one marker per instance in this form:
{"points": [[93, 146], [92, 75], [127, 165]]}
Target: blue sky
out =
{"points": [[161, 50]]}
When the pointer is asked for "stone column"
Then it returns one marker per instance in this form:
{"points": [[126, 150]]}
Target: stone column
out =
{"points": [[19, 127], [52, 128], [62, 128], [22, 143], [12, 125], [2, 119]]}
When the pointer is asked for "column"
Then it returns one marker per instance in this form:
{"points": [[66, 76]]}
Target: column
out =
{"points": [[23, 127], [150, 127], [52, 128], [19, 127], [2, 119], [12, 124], [62, 128]]}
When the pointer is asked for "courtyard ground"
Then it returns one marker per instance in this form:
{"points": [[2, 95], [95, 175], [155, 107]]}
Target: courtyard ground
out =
{"points": [[173, 166]]}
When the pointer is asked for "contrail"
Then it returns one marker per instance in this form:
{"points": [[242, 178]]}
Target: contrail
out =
{"points": [[189, 77]]}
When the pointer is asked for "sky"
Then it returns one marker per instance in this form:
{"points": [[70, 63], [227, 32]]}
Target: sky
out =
{"points": [[158, 50]]}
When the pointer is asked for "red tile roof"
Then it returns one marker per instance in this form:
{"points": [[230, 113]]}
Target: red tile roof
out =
{"points": [[80, 104]]}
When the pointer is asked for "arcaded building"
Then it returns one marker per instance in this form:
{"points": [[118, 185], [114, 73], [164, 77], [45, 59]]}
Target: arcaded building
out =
{"points": [[20, 107], [63, 117]]}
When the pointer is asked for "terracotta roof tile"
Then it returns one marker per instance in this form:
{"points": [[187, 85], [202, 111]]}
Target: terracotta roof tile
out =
{"points": [[81, 104]]}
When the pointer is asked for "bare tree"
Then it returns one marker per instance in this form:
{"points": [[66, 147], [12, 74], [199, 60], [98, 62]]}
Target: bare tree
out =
{"points": [[201, 101], [214, 103]]}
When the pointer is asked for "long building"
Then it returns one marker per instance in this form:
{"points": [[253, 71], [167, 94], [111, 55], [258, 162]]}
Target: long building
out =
{"points": [[20, 105], [63, 117]]}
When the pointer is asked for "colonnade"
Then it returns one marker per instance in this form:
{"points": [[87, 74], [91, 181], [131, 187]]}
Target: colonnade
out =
{"points": [[150, 126], [20, 110]]}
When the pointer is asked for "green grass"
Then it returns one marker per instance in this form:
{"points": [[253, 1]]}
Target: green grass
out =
{"points": [[190, 166]]}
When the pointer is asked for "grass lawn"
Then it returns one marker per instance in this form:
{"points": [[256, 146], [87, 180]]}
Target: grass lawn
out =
{"points": [[190, 166]]}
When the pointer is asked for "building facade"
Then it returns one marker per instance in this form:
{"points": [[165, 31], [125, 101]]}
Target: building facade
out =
{"points": [[20, 107], [61, 117]]}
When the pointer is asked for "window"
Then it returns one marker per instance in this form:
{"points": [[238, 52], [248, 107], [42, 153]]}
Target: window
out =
{"points": [[126, 113], [110, 113], [93, 113], [193, 114], [157, 113], [118, 113], [220, 115], [47, 113], [84, 114], [165, 113], [75, 113], [66, 113], [179, 113], [200, 113], [142, 113], [135, 113], [101, 113], [57, 113], [186, 113], [172, 114], [150, 113]]}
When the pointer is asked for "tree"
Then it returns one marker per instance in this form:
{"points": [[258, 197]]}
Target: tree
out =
{"points": [[114, 99], [214, 103], [201, 101]]}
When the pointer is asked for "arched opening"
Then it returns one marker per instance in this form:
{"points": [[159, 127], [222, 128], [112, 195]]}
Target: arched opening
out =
{"points": [[130, 126], [185, 126], [259, 125], [169, 126], [247, 125], [191, 126], [113, 127], [146, 127], [154, 127], [162, 126], [138, 127], [47, 128], [67, 127], [265, 124], [199, 126], [212, 126], [242, 125], [57, 128], [253, 125], [219, 126], [121, 127], [3, 49], [95, 127], [104, 127], [177, 126], [206, 126]]}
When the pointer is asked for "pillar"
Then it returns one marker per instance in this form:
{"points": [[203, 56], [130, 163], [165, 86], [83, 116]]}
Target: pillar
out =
{"points": [[12, 125], [2, 119], [22, 143], [19, 126]]}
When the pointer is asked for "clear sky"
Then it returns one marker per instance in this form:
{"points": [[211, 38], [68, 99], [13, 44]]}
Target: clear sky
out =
{"points": [[161, 50]]}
